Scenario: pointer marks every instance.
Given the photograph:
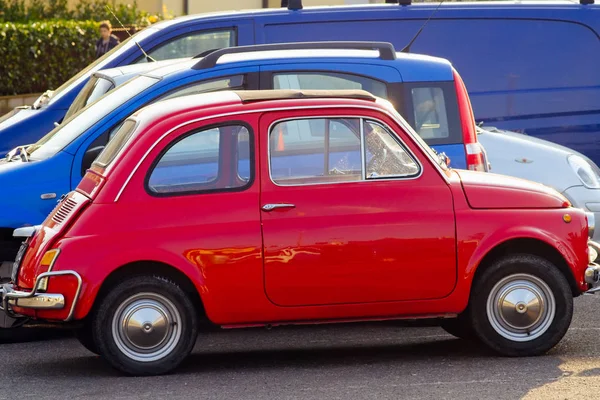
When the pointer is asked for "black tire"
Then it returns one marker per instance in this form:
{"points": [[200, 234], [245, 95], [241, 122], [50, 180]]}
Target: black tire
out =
{"points": [[459, 327], [86, 338], [507, 331], [151, 294]]}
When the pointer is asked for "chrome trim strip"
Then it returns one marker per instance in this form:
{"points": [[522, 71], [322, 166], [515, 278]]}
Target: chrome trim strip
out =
{"points": [[383, 109], [363, 156]]}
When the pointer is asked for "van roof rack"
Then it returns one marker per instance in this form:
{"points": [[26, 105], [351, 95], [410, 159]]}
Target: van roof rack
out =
{"points": [[248, 96], [292, 4], [386, 50], [401, 2]]}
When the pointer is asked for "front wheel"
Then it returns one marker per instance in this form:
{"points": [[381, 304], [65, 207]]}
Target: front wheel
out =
{"points": [[146, 325], [521, 305]]}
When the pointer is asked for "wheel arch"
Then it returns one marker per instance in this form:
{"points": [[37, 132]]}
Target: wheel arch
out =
{"points": [[149, 267], [529, 246]]}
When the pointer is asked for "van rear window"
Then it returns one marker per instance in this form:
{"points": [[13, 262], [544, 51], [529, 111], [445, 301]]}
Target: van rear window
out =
{"points": [[431, 120]]}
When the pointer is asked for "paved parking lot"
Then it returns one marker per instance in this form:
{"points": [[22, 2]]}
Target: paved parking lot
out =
{"points": [[371, 361]]}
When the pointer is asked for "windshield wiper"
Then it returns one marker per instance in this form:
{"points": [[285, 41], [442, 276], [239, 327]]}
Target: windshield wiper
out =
{"points": [[20, 151], [43, 99]]}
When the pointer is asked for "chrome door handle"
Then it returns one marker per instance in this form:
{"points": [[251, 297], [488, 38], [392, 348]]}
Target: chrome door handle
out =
{"points": [[271, 207]]}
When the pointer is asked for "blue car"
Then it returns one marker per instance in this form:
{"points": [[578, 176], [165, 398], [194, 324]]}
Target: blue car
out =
{"points": [[528, 67], [426, 90]]}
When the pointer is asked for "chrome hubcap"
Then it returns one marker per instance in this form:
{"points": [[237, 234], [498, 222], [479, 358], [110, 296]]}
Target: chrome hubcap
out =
{"points": [[146, 327], [521, 307]]}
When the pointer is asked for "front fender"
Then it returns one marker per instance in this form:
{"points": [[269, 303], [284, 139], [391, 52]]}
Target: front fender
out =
{"points": [[545, 226]]}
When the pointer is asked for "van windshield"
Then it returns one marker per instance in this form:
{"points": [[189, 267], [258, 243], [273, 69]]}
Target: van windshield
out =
{"points": [[77, 125], [101, 62]]}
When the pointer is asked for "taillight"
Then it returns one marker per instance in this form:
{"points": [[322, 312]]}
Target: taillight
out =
{"points": [[91, 183], [475, 159]]}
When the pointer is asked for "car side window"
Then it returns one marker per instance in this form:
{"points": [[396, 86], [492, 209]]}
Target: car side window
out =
{"points": [[328, 81], [334, 150], [192, 45], [385, 156], [217, 158]]}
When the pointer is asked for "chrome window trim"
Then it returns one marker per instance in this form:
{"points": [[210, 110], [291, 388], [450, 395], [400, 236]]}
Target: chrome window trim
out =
{"points": [[361, 120], [382, 108]]}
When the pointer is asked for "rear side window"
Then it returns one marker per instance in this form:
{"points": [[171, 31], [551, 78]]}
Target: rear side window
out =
{"points": [[431, 120], [328, 81], [121, 136], [335, 150], [212, 159], [192, 45]]}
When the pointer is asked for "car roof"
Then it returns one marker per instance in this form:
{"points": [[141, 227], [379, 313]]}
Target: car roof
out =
{"points": [[510, 5], [239, 99], [412, 67]]}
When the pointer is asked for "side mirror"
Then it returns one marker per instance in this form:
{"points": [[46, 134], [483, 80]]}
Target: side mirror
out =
{"points": [[445, 158], [88, 158]]}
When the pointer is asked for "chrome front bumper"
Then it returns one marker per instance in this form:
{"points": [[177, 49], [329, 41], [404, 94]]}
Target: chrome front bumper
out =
{"points": [[36, 299], [592, 272]]}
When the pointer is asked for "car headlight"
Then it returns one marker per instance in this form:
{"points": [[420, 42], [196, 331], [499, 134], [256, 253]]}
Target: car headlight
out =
{"points": [[584, 172]]}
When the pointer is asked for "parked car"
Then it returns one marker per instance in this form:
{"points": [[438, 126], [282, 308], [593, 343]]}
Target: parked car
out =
{"points": [[222, 209], [571, 173], [530, 82], [425, 89]]}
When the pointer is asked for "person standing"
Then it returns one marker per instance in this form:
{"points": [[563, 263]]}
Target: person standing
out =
{"points": [[107, 40]]}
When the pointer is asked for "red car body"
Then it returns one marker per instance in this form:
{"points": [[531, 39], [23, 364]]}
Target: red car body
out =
{"points": [[357, 250]]}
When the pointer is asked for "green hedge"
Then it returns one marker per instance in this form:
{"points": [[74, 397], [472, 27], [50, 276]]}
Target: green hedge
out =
{"points": [[38, 56]]}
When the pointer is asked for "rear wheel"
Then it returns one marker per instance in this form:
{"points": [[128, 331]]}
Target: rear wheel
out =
{"points": [[146, 325], [521, 305]]}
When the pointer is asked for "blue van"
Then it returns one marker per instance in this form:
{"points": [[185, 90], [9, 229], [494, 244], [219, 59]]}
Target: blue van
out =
{"points": [[426, 90], [528, 66]]}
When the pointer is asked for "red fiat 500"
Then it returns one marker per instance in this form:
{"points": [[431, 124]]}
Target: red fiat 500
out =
{"points": [[278, 207]]}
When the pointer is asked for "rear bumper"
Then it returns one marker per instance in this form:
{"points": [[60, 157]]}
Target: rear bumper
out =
{"points": [[37, 300]]}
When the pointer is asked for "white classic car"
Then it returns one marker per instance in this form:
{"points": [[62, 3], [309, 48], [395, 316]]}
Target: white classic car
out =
{"points": [[522, 156]]}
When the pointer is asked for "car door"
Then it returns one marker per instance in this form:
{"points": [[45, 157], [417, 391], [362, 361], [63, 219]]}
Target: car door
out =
{"points": [[351, 213]]}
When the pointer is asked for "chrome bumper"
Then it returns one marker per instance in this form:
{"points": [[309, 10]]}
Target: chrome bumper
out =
{"points": [[592, 272], [37, 300]]}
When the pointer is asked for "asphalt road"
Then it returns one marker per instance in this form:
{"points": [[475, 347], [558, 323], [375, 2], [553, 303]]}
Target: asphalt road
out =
{"points": [[353, 361]]}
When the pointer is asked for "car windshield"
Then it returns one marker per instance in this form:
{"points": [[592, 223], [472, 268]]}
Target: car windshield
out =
{"points": [[61, 136], [92, 91], [101, 62]]}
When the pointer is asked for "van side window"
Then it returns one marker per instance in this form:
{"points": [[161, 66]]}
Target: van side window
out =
{"points": [[431, 121], [334, 150], [192, 45], [328, 81], [211, 159]]}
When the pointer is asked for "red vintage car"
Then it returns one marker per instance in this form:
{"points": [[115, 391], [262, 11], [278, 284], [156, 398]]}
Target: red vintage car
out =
{"points": [[282, 207]]}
